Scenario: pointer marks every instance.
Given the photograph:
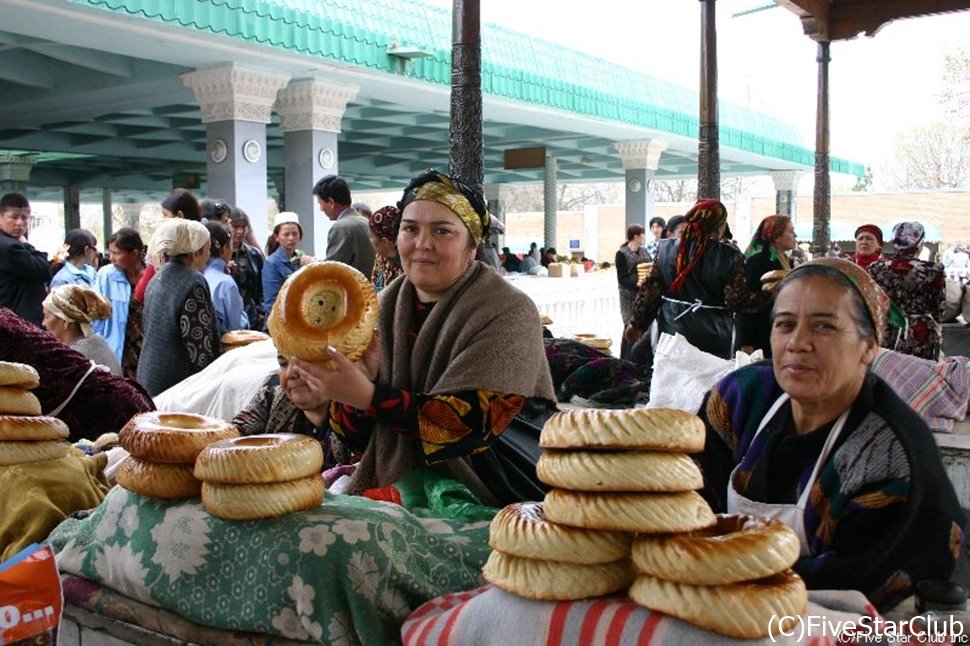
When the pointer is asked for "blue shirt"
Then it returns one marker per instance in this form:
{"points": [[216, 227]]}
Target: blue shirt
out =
{"points": [[113, 285], [276, 270], [68, 274], [226, 299]]}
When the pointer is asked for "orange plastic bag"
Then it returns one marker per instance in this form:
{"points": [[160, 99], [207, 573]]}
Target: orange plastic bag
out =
{"points": [[31, 597]]}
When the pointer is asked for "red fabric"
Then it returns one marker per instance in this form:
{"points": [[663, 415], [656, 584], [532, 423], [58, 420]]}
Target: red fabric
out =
{"points": [[143, 283], [389, 493]]}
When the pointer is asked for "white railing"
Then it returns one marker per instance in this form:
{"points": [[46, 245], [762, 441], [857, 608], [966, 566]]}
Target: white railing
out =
{"points": [[589, 303]]}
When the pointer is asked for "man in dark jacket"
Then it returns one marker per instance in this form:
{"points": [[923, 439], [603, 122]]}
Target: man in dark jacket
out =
{"points": [[24, 271]]}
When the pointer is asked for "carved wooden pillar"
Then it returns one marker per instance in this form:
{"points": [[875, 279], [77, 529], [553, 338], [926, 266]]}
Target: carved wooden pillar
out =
{"points": [[467, 153], [823, 197], [708, 147]]}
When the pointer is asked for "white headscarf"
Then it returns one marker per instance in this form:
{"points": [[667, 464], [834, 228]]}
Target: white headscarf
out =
{"points": [[176, 236]]}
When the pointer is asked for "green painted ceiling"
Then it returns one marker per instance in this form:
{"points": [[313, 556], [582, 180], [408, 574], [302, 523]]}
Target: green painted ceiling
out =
{"points": [[96, 78]]}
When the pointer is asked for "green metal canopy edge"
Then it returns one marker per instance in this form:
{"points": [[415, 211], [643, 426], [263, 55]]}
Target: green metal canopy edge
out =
{"points": [[553, 76]]}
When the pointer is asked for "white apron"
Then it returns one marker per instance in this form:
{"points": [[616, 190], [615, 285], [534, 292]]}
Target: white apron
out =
{"points": [[791, 515]]}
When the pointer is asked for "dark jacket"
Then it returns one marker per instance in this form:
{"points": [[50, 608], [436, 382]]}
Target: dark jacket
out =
{"points": [[710, 327], [24, 274], [754, 328]]}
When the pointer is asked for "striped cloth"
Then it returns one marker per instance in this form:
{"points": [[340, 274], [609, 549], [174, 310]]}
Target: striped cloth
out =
{"points": [[937, 390], [487, 615]]}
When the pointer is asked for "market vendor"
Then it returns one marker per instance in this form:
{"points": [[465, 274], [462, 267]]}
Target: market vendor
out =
{"points": [[458, 354], [818, 441], [286, 405], [90, 400]]}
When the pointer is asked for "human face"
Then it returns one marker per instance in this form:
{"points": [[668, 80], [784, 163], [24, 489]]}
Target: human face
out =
{"points": [[14, 221], [296, 389], [384, 247], [238, 231], [56, 325], [818, 356], [288, 237], [678, 230], [866, 244], [657, 230], [435, 246], [328, 206], [786, 239], [169, 214], [121, 259]]}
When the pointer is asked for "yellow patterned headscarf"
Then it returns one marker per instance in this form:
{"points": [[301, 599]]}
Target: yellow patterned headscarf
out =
{"points": [[78, 304], [464, 201]]}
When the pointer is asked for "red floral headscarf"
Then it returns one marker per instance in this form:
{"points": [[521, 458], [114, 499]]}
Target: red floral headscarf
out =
{"points": [[385, 222], [703, 220]]}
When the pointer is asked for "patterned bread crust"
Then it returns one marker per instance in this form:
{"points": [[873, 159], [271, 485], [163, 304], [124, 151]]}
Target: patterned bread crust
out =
{"points": [[521, 530], [742, 610], [258, 501], [658, 429], [25, 452], [157, 479], [550, 581], [18, 401], [619, 471], [649, 513], [257, 459], [737, 548], [19, 375], [295, 335], [175, 438], [32, 428]]}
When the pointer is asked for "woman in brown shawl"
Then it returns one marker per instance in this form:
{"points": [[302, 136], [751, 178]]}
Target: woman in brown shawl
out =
{"points": [[457, 356]]}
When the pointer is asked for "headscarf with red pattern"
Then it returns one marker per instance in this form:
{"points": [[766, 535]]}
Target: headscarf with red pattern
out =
{"points": [[765, 235], [907, 238], [703, 221], [385, 222]]}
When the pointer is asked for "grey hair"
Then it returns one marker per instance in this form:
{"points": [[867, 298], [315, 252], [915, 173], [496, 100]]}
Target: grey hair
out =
{"points": [[865, 326]]}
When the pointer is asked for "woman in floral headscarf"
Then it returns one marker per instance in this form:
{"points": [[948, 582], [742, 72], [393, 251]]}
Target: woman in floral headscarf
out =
{"points": [[457, 355], [918, 287], [819, 442], [696, 284], [868, 245], [773, 240], [384, 224]]}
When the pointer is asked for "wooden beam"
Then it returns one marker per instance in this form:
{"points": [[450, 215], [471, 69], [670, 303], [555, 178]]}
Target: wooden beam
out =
{"points": [[828, 20]]}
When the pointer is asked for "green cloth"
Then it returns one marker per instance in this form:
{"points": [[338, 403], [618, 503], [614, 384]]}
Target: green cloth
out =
{"points": [[347, 572], [35, 497]]}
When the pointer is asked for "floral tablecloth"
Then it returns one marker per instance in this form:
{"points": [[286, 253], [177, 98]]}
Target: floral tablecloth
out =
{"points": [[347, 572]]}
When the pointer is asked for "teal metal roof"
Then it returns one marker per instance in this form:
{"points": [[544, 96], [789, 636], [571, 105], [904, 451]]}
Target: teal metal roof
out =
{"points": [[514, 65]]}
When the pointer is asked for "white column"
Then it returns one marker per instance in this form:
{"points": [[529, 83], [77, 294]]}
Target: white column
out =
{"points": [[640, 160], [236, 105], [310, 114]]}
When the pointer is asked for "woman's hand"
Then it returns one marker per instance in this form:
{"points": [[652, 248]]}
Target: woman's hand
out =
{"points": [[343, 380]]}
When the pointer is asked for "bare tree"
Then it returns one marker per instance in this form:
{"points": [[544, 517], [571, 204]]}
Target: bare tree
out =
{"points": [[674, 190], [931, 157], [955, 95]]}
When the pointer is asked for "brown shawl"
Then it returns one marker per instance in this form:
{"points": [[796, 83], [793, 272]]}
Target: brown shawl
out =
{"points": [[483, 334]]}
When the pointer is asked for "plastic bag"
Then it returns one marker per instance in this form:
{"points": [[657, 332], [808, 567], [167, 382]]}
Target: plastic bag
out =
{"points": [[426, 493], [31, 597], [682, 373]]}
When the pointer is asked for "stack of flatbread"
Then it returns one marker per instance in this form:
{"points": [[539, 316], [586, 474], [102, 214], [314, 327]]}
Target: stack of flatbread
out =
{"points": [[26, 435]]}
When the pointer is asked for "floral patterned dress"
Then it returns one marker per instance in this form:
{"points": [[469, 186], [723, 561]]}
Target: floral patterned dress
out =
{"points": [[918, 287]]}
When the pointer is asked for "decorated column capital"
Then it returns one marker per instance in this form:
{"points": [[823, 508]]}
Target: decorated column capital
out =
{"points": [[314, 104], [16, 168], [786, 180], [235, 93], [641, 154]]}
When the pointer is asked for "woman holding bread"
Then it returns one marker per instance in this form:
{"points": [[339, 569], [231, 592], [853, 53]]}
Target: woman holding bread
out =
{"points": [[819, 442], [696, 284], [448, 369], [181, 333], [765, 262]]}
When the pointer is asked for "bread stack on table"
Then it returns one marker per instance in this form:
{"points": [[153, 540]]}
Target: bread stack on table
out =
{"points": [[261, 476], [624, 486], [26, 435], [643, 270], [163, 448]]}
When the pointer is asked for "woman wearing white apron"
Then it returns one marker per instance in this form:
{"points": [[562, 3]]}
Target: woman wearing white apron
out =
{"points": [[817, 441]]}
